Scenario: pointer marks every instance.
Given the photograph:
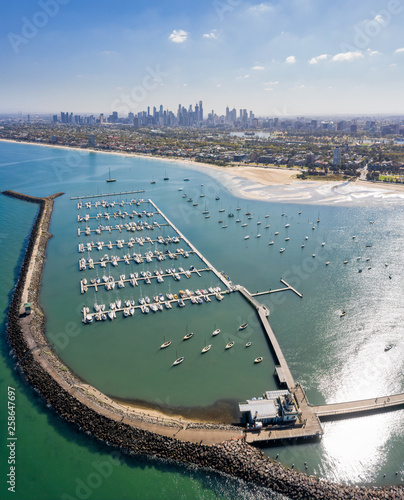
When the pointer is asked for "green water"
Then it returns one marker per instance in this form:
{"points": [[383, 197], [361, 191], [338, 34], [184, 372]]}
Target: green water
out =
{"points": [[335, 359]]}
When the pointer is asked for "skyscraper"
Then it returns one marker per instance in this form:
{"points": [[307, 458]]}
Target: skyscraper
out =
{"points": [[336, 159]]}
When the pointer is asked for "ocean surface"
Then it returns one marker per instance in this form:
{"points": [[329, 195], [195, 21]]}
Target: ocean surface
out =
{"points": [[334, 358]]}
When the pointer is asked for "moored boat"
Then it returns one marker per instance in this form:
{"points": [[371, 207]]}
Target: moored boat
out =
{"points": [[178, 361], [216, 332], [206, 348], [243, 326], [229, 345], [258, 360], [166, 344]]}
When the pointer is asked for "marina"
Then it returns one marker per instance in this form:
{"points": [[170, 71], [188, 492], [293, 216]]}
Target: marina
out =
{"points": [[98, 335]]}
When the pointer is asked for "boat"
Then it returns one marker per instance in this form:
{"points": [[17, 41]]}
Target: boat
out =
{"points": [[186, 179], [206, 348], [287, 238], [188, 336], [110, 179], [287, 225], [216, 332], [166, 344], [258, 360], [282, 250], [248, 344], [229, 345], [166, 178], [313, 255], [327, 263], [343, 313], [217, 198], [388, 347], [271, 243], [345, 262], [246, 237], [243, 326], [178, 361]]}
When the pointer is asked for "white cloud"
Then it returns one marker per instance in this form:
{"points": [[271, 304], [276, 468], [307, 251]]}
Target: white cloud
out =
{"points": [[315, 60], [399, 51], [268, 88], [271, 83], [178, 36], [394, 65], [219, 85], [260, 8], [242, 77], [258, 68], [185, 85], [373, 52], [210, 36], [290, 60], [348, 56]]}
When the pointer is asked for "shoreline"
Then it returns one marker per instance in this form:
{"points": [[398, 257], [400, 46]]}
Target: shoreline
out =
{"points": [[271, 184], [76, 404]]}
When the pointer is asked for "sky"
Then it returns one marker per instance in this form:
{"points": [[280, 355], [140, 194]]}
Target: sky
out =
{"points": [[276, 58]]}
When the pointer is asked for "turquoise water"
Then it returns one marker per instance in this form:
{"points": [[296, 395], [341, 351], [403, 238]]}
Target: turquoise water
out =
{"points": [[334, 358]]}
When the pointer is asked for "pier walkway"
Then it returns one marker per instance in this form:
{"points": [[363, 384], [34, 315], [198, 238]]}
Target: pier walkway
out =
{"points": [[225, 281], [106, 194], [333, 411], [288, 287], [282, 369]]}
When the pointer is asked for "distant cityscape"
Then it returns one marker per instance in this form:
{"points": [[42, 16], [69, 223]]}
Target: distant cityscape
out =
{"points": [[194, 116]]}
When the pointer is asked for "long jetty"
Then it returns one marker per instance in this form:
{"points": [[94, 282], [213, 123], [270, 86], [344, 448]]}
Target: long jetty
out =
{"points": [[224, 280], [122, 193], [334, 411]]}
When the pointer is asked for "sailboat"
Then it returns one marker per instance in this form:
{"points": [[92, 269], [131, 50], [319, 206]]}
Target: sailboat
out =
{"points": [[166, 178], [109, 176]]}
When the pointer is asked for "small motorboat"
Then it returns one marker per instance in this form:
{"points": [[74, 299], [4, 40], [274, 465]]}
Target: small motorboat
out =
{"points": [[178, 361], [248, 344], [388, 347], [166, 344], [258, 360], [206, 348], [229, 345], [243, 326], [188, 336], [343, 313], [216, 332]]}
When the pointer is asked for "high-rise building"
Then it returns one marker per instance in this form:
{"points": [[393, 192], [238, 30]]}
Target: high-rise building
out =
{"points": [[200, 111], [91, 141], [336, 158]]}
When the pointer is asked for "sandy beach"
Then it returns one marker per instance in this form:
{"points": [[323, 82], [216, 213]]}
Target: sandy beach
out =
{"points": [[274, 184]]}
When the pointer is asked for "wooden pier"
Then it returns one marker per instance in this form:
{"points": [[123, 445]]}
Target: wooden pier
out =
{"points": [[122, 193], [225, 281], [288, 287], [334, 411]]}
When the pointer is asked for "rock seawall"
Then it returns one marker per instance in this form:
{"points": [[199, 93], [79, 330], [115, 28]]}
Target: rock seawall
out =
{"points": [[235, 458]]}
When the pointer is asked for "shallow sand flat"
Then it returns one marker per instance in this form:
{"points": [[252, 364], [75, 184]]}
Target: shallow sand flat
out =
{"points": [[275, 184]]}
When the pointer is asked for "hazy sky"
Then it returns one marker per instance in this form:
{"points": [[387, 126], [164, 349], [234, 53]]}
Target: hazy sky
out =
{"points": [[284, 57]]}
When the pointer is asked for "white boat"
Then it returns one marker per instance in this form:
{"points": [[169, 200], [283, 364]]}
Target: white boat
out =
{"points": [[282, 250], [258, 360], [243, 326], [206, 348], [188, 336], [166, 344], [216, 332], [246, 237], [229, 345], [248, 344], [271, 243], [178, 361]]}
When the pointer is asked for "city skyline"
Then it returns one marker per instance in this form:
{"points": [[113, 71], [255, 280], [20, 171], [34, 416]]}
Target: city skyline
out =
{"points": [[278, 59]]}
